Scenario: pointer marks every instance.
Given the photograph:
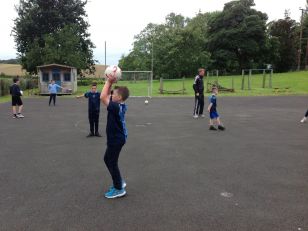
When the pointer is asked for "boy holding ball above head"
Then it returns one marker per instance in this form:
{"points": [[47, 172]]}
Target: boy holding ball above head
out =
{"points": [[116, 133], [214, 117], [16, 98], [93, 109]]}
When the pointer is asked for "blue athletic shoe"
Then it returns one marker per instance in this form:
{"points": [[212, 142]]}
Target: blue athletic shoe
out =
{"points": [[114, 193]]}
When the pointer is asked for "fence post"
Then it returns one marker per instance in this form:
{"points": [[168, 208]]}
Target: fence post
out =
{"points": [[183, 85], [249, 76], [217, 74], [270, 79], [0, 87], [243, 79], [264, 78], [232, 82], [161, 86], [207, 80]]}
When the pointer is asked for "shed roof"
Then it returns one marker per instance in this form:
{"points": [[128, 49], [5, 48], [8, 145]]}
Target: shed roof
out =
{"points": [[55, 64]]}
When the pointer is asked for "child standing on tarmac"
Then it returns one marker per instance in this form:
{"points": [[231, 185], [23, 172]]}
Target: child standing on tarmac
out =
{"points": [[94, 103], [116, 134], [16, 98], [212, 108]]}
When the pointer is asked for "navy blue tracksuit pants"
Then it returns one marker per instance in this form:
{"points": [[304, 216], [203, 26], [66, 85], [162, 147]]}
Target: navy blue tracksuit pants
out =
{"points": [[111, 160], [93, 120]]}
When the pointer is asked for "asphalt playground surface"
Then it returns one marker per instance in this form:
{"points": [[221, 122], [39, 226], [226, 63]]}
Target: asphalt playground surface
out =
{"points": [[180, 175]]}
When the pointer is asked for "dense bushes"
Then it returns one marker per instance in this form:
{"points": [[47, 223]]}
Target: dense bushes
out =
{"points": [[25, 83]]}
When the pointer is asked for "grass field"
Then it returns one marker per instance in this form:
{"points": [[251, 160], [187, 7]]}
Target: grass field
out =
{"points": [[295, 82]]}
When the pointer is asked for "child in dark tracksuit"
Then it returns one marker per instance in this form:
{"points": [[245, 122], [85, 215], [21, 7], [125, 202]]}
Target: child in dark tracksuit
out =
{"points": [[116, 134], [199, 94], [93, 109], [16, 98]]}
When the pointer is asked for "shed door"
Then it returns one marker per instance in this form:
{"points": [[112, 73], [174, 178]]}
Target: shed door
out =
{"points": [[57, 78]]}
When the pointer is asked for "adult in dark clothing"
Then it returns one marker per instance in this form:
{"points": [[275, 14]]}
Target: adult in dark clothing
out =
{"points": [[16, 94], [93, 109], [199, 94]]}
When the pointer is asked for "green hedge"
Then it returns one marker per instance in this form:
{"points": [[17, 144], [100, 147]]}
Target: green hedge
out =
{"points": [[25, 83], [88, 81]]}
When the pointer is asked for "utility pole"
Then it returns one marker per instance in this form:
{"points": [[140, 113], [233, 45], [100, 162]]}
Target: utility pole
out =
{"points": [[300, 40], [152, 67]]}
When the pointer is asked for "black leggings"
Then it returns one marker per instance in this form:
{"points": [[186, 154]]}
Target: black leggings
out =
{"points": [[93, 120], [111, 160], [199, 105], [306, 115], [52, 97]]}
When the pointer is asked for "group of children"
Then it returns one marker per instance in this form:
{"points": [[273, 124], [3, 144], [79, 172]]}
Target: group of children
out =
{"points": [[116, 131], [198, 87]]}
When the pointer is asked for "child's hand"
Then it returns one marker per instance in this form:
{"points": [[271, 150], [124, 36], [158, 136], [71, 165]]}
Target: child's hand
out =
{"points": [[111, 79]]}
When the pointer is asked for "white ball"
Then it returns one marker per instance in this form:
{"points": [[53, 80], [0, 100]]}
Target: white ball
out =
{"points": [[113, 71], [146, 101]]}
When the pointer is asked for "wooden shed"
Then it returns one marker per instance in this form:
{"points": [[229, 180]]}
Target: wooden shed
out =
{"points": [[64, 76]]}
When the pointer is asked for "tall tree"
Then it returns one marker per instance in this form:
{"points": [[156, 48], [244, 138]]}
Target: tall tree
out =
{"points": [[237, 35], [46, 31], [179, 47], [285, 31]]}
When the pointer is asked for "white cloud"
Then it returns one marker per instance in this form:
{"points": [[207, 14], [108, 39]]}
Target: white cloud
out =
{"points": [[118, 21]]}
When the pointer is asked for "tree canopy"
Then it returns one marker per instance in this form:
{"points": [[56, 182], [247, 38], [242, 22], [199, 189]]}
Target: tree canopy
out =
{"points": [[236, 38], [53, 31]]}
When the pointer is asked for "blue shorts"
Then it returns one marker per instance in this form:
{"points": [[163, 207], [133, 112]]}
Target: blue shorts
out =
{"points": [[214, 115]]}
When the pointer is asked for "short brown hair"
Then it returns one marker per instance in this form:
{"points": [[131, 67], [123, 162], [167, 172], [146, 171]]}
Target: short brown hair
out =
{"points": [[123, 92], [94, 84], [214, 87], [201, 69]]}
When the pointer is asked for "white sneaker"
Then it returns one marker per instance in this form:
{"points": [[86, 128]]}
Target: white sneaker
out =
{"points": [[20, 116], [203, 116], [195, 116], [303, 120]]}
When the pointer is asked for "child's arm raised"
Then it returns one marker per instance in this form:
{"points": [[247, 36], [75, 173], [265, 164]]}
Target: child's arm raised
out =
{"points": [[106, 92]]}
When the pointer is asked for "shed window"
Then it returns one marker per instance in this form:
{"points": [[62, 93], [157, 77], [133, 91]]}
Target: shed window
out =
{"points": [[67, 77], [46, 77], [56, 76]]}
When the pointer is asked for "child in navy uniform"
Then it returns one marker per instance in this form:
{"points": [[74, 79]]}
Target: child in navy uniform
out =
{"points": [[116, 134], [212, 108], [93, 109], [16, 98]]}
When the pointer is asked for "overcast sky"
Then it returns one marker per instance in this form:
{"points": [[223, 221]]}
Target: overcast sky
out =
{"points": [[117, 21]]}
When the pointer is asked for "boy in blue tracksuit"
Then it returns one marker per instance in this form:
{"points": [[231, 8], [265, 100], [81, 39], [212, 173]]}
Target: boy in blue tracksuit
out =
{"points": [[212, 108], [116, 134], [53, 89], [93, 109]]}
